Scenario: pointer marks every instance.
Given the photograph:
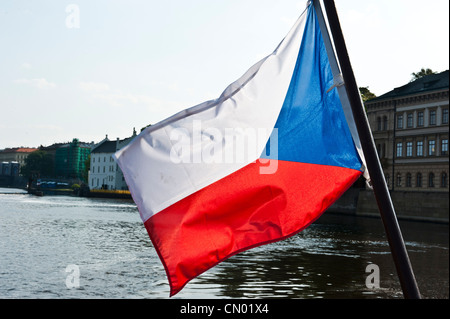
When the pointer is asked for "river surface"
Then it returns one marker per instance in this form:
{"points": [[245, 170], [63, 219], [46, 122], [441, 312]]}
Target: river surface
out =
{"points": [[72, 247]]}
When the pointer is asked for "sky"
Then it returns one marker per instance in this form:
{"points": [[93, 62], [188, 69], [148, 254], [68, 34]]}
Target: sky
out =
{"points": [[90, 68]]}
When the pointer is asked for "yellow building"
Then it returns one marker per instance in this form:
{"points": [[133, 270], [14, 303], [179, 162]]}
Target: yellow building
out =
{"points": [[410, 129], [17, 154]]}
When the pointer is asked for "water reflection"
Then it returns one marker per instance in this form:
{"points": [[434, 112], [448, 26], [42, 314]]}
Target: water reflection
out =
{"points": [[301, 267], [329, 259]]}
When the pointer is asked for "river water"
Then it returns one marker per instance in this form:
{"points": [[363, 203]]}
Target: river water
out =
{"points": [[72, 247]]}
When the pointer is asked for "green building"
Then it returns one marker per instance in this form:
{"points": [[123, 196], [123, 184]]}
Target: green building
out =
{"points": [[70, 159]]}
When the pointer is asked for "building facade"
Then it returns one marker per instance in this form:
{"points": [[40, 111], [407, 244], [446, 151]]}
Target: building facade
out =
{"points": [[104, 173], [9, 168], [70, 159], [17, 154], [410, 129]]}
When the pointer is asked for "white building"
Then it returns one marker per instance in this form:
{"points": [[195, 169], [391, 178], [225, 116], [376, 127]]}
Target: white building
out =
{"points": [[104, 173]]}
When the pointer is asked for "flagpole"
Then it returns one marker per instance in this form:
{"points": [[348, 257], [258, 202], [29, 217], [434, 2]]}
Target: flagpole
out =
{"points": [[383, 198]]}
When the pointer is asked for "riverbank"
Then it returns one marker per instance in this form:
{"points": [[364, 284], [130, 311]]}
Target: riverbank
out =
{"points": [[81, 192], [44, 192], [103, 193], [414, 206]]}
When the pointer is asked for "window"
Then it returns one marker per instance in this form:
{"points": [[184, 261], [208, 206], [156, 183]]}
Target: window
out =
{"points": [[408, 180], [433, 117], [444, 147], [444, 180], [399, 121], [409, 120], [420, 118], [399, 149], [379, 123], [431, 147], [445, 116], [399, 180], [409, 146], [385, 123], [431, 180], [419, 150], [419, 180]]}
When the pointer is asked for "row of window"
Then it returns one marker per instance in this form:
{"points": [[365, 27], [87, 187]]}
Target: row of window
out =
{"points": [[110, 179], [432, 151], [420, 119], [95, 183], [104, 159], [417, 180], [110, 168], [382, 123]]}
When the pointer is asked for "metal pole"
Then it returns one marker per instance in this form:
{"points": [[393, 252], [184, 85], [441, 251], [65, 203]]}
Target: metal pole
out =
{"points": [[383, 198]]}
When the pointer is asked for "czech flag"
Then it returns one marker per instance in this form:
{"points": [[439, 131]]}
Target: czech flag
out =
{"points": [[257, 165]]}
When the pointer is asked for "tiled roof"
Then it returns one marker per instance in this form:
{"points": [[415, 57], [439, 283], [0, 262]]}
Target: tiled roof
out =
{"points": [[427, 83], [19, 150], [105, 147]]}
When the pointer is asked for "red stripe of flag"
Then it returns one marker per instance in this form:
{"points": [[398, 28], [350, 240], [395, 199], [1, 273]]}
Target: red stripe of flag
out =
{"points": [[241, 211]]}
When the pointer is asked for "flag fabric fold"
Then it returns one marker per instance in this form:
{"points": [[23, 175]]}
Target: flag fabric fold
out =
{"points": [[257, 165]]}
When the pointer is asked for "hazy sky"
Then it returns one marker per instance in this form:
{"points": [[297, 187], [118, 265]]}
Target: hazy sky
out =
{"points": [[84, 69]]}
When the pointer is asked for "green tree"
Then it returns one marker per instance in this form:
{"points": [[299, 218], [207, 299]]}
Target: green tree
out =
{"points": [[366, 94], [144, 127], [38, 163], [423, 72], [87, 167]]}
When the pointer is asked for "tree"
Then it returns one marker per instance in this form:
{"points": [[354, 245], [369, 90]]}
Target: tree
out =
{"points": [[87, 167], [423, 72], [38, 163], [143, 128], [366, 94]]}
